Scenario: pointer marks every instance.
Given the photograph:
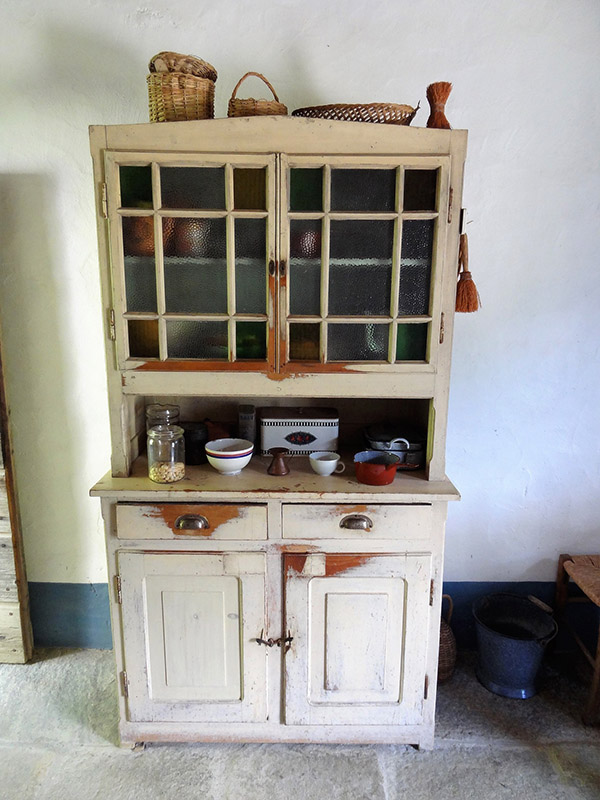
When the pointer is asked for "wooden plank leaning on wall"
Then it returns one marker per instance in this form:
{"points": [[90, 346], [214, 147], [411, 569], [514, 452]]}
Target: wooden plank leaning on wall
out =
{"points": [[16, 638]]}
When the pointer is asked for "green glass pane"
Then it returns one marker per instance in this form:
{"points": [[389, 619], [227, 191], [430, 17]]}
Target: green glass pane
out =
{"points": [[136, 186], [305, 266], [143, 338], [411, 343], [251, 340], [251, 266], [193, 187], [304, 341], [363, 190], [203, 340], [306, 189], [420, 189], [250, 189], [357, 342]]}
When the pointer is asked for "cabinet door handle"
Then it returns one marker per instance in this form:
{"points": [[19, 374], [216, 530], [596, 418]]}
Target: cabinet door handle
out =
{"points": [[357, 522], [190, 523], [271, 267]]}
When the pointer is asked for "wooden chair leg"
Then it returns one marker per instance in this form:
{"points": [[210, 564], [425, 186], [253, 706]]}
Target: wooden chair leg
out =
{"points": [[591, 715], [562, 585]]}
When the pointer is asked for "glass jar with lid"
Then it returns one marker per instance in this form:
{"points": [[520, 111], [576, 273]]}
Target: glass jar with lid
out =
{"points": [[166, 454], [161, 414]]}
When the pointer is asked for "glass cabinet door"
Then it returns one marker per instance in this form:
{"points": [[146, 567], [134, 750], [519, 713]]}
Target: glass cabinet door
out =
{"points": [[191, 244], [362, 241]]}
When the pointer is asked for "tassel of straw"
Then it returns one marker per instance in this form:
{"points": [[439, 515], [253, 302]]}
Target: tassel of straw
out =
{"points": [[437, 95], [467, 296]]}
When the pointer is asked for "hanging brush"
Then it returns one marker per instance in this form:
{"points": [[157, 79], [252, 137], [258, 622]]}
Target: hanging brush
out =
{"points": [[437, 95], [467, 296]]}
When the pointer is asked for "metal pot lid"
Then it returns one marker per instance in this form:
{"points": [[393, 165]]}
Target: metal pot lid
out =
{"points": [[387, 431]]}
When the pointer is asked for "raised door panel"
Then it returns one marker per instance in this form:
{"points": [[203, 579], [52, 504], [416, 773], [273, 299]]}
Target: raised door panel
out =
{"points": [[189, 621], [358, 653]]}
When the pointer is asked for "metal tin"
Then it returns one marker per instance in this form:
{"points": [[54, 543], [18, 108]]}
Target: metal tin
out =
{"points": [[301, 430]]}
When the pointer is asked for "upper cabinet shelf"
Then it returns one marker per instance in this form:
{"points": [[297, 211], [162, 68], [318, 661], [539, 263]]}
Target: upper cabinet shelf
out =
{"points": [[279, 260]]}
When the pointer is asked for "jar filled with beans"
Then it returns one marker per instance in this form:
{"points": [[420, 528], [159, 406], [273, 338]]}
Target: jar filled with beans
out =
{"points": [[166, 454]]}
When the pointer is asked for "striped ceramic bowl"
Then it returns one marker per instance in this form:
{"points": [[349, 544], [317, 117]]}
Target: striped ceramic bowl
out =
{"points": [[229, 456]]}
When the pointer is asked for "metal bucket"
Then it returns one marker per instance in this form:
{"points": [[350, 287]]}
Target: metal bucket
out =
{"points": [[512, 633]]}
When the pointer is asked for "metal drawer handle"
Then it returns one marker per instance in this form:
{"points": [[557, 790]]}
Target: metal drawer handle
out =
{"points": [[357, 522], [191, 522]]}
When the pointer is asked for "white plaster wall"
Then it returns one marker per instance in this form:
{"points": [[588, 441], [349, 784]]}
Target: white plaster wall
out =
{"points": [[524, 424]]}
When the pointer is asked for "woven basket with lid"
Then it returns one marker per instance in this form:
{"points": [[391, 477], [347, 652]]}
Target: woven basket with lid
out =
{"points": [[251, 107]]}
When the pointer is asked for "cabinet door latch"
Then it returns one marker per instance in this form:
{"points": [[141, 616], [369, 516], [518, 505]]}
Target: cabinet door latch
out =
{"points": [[431, 590], [124, 684], [450, 197], [426, 687]]}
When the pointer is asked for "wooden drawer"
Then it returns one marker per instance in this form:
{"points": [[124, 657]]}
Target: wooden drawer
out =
{"points": [[351, 521], [191, 520]]}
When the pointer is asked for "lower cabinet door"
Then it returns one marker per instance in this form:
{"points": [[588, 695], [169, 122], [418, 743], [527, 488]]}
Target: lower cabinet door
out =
{"points": [[360, 625], [189, 621]]}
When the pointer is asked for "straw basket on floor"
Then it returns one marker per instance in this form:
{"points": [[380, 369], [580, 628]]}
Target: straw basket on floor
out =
{"points": [[447, 657], [178, 96], [251, 107]]}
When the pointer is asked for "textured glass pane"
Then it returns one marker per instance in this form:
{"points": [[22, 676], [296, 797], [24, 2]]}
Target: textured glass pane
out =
{"points": [[187, 339], [420, 189], [143, 338], [363, 189], [304, 341], [360, 267], [250, 189], [251, 266], [140, 283], [196, 278], [306, 190], [136, 187], [412, 342], [415, 266], [305, 266], [357, 342], [138, 236], [193, 187], [251, 339]]}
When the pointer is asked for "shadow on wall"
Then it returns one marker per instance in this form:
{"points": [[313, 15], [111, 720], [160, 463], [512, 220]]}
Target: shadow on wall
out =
{"points": [[36, 367]]}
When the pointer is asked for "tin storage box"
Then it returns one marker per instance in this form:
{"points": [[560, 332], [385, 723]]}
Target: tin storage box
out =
{"points": [[300, 430]]}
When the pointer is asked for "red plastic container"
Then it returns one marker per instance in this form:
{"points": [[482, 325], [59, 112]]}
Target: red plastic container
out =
{"points": [[375, 468]]}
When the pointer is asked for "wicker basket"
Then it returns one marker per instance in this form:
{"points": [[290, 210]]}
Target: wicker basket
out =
{"points": [[447, 657], [390, 113], [252, 107], [177, 96], [177, 62]]}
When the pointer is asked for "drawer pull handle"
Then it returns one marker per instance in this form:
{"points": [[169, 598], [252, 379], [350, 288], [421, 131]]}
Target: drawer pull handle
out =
{"points": [[191, 522], [357, 522]]}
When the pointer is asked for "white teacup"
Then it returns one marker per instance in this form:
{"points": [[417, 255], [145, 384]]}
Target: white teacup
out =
{"points": [[326, 463]]}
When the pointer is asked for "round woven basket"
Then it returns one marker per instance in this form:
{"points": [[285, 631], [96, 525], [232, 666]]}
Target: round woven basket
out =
{"points": [[447, 657], [177, 96], [251, 107], [390, 113], [166, 61]]}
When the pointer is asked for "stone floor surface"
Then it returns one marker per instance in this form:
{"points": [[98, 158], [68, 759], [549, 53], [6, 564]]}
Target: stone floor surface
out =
{"points": [[58, 741]]}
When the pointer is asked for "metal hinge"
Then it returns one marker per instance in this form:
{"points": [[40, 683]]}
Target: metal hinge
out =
{"points": [[426, 687], [124, 684], [431, 587], [442, 328], [104, 200], [118, 592], [450, 195], [112, 330]]}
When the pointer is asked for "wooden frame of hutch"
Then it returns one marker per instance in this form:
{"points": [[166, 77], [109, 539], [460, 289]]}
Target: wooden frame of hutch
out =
{"points": [[305, 609]]}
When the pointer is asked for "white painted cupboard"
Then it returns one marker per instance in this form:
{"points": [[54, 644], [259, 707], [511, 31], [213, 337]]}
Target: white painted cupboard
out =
{"points": [[277, 261]]}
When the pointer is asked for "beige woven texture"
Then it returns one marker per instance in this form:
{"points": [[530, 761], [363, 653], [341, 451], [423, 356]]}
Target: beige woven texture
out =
{"points": [[177, 96], [390, 113], [254, 108]]}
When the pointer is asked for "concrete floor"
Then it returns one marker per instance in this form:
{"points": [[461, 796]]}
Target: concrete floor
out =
{"points": [[58, 741]]}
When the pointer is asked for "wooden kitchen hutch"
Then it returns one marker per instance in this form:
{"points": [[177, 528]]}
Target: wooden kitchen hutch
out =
{"points": [[277, 261]]}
